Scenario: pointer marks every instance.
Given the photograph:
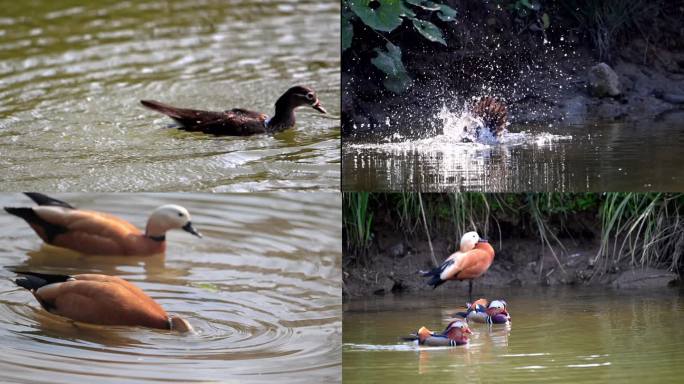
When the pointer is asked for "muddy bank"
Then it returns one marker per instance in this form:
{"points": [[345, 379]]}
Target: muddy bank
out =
{"points": [[544, 77], [393, 262]]}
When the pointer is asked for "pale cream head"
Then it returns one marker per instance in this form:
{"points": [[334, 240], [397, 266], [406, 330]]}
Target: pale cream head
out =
{"points": [[179, 324], [169, 217], [469, 240]]}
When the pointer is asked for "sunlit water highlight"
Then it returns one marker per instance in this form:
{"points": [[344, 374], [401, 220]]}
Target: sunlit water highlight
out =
{"points": [[262, 289], [593, 157]]}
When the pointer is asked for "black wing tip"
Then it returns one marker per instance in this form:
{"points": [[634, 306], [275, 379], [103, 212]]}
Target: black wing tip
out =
{"points": [[435, 282], [43, 199], [22, 212], [35, 280]]}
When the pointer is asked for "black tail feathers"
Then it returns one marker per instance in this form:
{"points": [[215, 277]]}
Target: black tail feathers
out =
{"points": [[42, 199], [435, 279], [33, 280]]}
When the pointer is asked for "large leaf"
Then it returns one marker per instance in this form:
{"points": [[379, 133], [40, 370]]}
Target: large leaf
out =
{"points": [[389, 62], [533, 6], [425, 4], [446, 13], [347, 33], [429, 30], [381, 15]]}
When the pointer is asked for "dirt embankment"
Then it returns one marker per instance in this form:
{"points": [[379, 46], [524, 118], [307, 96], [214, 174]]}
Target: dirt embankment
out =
{"points": [[543, 76], [391, 265]]}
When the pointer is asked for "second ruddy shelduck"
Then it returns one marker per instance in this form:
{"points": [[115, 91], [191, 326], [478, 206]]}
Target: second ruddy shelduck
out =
{"points": [[99, 299], [96, 233], [465, 266]]}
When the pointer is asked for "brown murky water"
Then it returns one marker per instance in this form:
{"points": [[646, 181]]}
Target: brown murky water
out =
{"points": [[557, 335], [72, 74], [262, 288]]}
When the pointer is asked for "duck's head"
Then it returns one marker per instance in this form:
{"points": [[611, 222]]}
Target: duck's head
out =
{"points": [[458, 330], [169, 217], [298, 96], [468, 241], [496, 307], [479, 305], [179, 324]]}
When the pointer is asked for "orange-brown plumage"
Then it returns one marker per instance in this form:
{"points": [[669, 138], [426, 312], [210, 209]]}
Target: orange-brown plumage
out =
{"points": [[465, 266], [492, 112], [97, 299], [472, 264], [97, 233]]}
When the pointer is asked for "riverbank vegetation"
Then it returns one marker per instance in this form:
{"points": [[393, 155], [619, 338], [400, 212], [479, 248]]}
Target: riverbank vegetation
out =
{"points": [[534, 54], [634, 229]]}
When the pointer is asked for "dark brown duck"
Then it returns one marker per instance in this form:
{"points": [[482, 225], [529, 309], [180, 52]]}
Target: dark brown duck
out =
{"points": [[242, 122]]}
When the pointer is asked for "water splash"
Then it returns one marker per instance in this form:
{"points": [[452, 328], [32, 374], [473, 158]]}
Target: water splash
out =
{"points": [[462, 131]]}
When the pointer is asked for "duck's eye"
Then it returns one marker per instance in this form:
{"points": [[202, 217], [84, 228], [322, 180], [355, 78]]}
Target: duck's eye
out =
{"points": [[310, 96], [180, 214]]}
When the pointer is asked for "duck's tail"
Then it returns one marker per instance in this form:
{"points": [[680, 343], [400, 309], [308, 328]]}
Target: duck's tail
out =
{"points": [[33, 280], [172, 112], [435, 279], [435, 274], [42, 199], [492, 112]]}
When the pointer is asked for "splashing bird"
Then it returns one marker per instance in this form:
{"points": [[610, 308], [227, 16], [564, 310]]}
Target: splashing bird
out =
{"points": [[492, 115]]}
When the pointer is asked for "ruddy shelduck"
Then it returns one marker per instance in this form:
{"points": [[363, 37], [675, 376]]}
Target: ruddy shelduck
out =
{"points": [[96, 233], [99, 299], [456, 333], [465, 266]]}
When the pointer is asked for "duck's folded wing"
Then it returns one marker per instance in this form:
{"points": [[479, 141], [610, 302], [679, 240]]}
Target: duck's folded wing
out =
{"points": [[235, 122], [185, 116]]}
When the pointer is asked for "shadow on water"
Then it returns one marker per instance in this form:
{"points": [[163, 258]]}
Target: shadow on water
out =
{"points": [[72, 76], [262, 289]]}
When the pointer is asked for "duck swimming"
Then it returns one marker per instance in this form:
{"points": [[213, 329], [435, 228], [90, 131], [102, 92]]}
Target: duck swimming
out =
{"points": [[95, 233], [464, 266], [242, 122], [99, 299], [480, 311], [456, 333]]}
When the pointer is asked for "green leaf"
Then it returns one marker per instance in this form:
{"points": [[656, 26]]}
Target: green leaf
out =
{"points": [[533, 6], [406, 11], [429, 31], [425, 4], [446, 13], [546, 21], [347, 33], [389, 62], [381, 15]]}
